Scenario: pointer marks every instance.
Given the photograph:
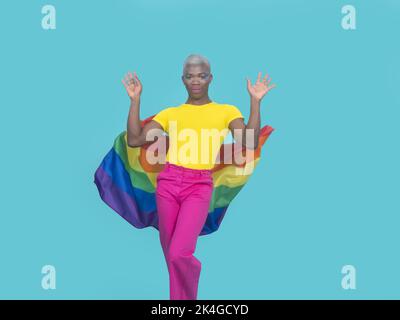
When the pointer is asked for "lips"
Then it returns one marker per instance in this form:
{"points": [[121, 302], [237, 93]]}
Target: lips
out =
{"points": [[196, 89]]}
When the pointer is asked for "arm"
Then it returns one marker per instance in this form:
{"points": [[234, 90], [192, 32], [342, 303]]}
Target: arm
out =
{"points": [[136, 135], [248, 134], [244, 133]]}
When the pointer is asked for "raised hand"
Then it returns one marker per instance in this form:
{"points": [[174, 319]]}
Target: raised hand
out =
{"points": [[132, 85], [260, 88]]}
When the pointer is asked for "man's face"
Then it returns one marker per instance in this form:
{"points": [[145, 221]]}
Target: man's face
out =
{"points": [[196, 79]]}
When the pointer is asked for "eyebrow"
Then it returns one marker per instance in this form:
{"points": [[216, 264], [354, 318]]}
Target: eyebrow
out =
{"points": [[198, 73]]}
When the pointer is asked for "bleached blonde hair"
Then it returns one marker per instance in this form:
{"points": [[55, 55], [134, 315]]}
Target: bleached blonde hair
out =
{"points": [[196, 59]]}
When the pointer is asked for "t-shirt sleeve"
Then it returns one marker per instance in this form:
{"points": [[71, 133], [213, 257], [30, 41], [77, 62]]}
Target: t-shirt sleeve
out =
{"points": [[162, 119], [232, 113]]}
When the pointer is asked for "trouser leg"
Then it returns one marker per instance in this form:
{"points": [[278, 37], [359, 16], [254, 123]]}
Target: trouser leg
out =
{"points": [[184, 267]]}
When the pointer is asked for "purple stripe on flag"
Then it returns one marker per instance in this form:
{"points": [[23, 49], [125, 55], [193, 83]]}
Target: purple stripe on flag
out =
{"points": [[122, 202]]}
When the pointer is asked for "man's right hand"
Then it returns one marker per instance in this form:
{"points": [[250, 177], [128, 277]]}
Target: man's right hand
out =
{"points": [[132, 85]]}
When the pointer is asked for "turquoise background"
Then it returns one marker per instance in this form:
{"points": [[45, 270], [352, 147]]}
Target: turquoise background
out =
{"points": [[324, 195]]}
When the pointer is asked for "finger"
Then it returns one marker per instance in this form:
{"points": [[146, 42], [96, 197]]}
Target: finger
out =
{"points": [[127, 80], [269, 80], [272, 86], [265, 78], [133, 78], [259, 77], [136, 78], [126, 87], [248, 83], [132, 82]]}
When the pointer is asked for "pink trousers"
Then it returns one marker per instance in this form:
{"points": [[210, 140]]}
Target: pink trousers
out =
{"points": [[183, 197]]}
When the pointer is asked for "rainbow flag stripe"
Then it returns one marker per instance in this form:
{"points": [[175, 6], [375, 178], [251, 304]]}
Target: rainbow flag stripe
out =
{"points": [[127, 182]]}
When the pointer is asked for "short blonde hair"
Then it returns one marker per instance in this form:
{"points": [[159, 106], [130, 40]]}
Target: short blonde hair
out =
{"points": [[196, 59]]}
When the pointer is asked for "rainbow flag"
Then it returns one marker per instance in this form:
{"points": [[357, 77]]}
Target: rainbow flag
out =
{"points": [[126, 181]]}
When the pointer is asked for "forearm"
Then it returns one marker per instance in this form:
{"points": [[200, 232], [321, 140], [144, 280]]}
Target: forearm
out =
{"points": [[134, 128], [254, 125]]}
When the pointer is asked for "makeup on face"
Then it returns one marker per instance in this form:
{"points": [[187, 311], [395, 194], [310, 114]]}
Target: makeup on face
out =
{"points": [[194, 86], [202, 75]]}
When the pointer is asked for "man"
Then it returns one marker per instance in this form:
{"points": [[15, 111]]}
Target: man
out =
{"points": [[185, 185]]}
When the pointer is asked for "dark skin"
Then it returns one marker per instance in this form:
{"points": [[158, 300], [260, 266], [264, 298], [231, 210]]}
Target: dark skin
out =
{"points": [[197, 79]]}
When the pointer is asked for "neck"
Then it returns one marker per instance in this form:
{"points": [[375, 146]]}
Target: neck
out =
{"points": [[198, 102]]}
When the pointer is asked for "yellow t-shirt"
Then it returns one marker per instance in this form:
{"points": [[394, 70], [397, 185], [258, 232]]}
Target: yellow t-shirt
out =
{"points": [[196, 132]]}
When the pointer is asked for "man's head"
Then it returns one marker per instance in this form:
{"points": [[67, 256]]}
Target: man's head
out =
{"points": [[196, 76]]}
